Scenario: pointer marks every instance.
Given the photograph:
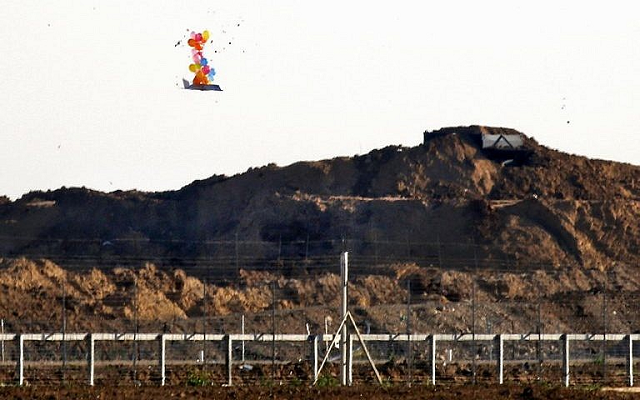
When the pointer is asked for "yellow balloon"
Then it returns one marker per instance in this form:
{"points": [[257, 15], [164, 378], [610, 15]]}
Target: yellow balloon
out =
{"points": [[193, 68], [205, 35]]}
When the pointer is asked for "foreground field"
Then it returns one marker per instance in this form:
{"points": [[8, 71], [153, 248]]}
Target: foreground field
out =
{"points": [[526, 392]]}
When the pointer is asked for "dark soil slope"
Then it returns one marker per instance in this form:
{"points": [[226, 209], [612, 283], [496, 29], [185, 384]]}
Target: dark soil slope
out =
{"points": [[542, 206]]}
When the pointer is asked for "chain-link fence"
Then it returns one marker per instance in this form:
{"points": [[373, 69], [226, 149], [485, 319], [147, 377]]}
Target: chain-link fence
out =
{"points": [[467, 293]]}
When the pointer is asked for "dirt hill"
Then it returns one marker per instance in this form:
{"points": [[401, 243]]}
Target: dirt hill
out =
{"points": [[545, 207], [536, 234], [40, 296]]}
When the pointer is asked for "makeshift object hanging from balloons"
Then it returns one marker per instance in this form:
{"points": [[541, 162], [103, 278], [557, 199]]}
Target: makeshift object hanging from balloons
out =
{"points": [[204, 72]]}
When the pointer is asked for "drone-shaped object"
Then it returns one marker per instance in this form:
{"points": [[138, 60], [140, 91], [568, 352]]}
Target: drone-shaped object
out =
{"points": [[189, 86]]}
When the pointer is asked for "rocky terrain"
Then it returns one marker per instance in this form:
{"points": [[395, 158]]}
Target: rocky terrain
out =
{"points": [[539, 226], [547, 207]]}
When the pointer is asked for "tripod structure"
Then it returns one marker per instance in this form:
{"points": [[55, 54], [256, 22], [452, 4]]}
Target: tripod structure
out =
{"points": [[341, 335]]}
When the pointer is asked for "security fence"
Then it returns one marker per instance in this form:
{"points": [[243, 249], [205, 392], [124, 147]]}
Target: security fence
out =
{"points": [[265, 313], [197, 359]]}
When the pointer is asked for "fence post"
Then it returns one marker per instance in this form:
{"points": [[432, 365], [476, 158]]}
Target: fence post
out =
{"points": [[433, 359], [564, 340], [344, 280], [229, 361], [92, 354], [242, 330], [163, 348], [350, 362], [500, 344], [20, 359], [316, 343], [630, 359]]}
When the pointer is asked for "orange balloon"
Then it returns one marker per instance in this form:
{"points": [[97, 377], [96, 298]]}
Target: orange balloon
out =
{"points": [[198, 46], [191, 42], [200, 80]]}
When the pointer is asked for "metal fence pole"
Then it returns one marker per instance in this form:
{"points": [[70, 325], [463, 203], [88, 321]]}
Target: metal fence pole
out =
{"points": [[433, 359], [500, 344], [229, 361], [20, 360], [350, 362], [630, 359], [316, 344], [91, 358], [344, 278], [162, 349], [564, 341]]}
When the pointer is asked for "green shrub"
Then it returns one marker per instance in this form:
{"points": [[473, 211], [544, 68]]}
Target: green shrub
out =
{"points": [[327, 381], [198, 378]]}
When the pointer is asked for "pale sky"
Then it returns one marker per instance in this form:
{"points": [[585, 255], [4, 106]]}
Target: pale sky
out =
{"points": [[89, 95]]}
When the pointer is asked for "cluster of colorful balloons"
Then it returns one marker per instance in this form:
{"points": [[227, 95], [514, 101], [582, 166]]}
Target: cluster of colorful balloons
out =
{"points": [[204, 72]]}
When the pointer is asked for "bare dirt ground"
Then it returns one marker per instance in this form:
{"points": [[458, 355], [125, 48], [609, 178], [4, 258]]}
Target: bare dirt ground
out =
{"points": [[172, 300], [527, 392]]}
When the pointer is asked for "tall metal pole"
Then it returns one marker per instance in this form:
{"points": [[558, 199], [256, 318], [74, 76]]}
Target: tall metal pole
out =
{"points": [[92, 358], [20, 359], [344, 279], [565, 359], [630, 359]]}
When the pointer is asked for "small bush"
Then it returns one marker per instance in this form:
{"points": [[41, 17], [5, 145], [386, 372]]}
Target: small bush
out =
{"points": [[198, 378], [327, 381]]}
